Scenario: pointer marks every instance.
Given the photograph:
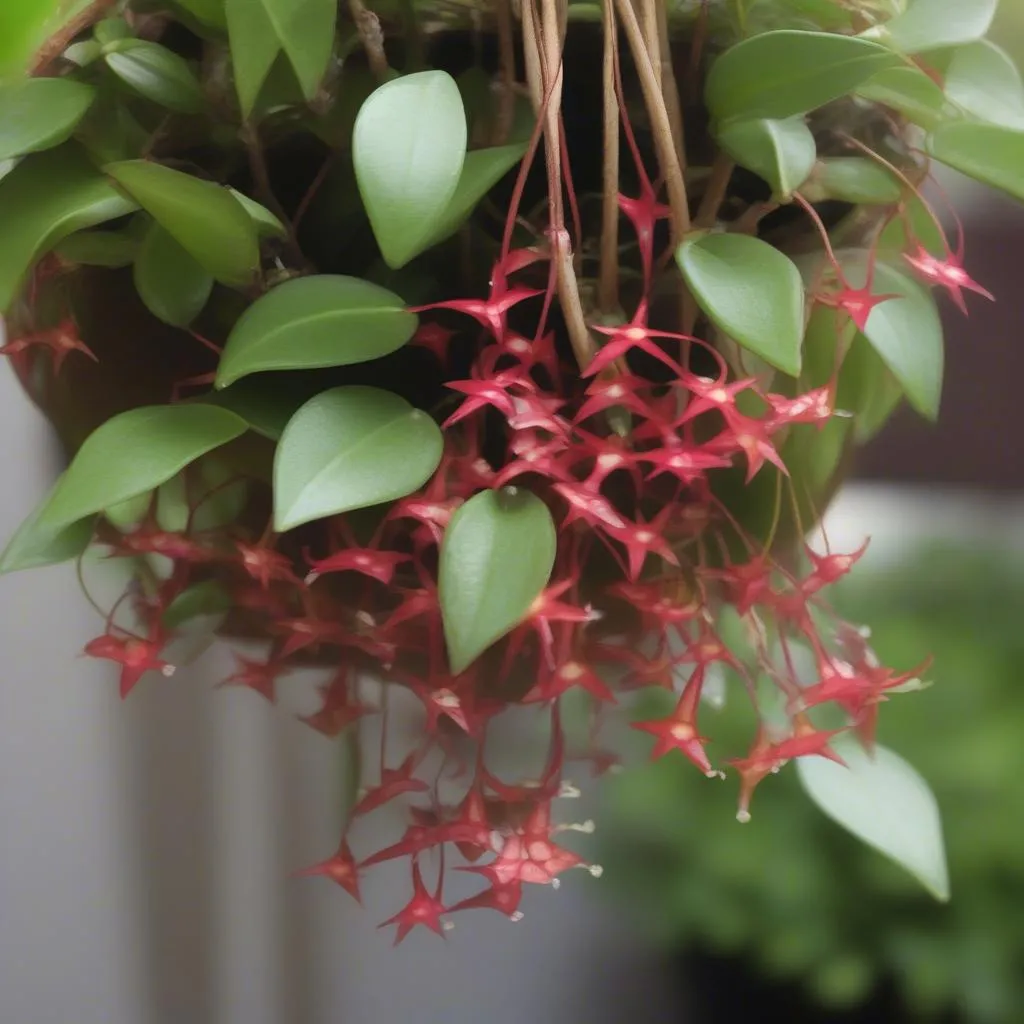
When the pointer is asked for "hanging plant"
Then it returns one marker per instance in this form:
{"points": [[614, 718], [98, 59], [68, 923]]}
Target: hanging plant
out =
{"points": [[494, 353]]}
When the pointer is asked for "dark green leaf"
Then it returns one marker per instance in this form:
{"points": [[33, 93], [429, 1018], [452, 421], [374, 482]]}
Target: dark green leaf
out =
{"points": [[905, 331], [907, 90], [266, 404], [985, 152], [309, 322], [200, 600], [99, 248], [781, 152], [856, 179], [47, 197], [157, 73], [350, 448], [751, 291], [408, 148], [260, 29], [34, 546], [983, 81], [174, 287], [209, 12], [933, 24], [206, 219], [40, 113], [496, 557], [884, 802], [481, 171], [785, 73], [136, 452], [868, 389]]}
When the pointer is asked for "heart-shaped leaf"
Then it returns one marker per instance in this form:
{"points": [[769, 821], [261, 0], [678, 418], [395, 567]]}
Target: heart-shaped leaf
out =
{"points": [[349, 448], [905, 331], [310, 322], [45, 198], [481, 171], [408, 148], [174, 287], [785, 73], [856, 179], [136, 452], [933, 24], [985, 152], [157, 73], [496, 557], [983, 81], [907, 90], [40, 113], [206, 219], [259, 30], [34, 546], [751, 291], [781, 152], [883, 801]]}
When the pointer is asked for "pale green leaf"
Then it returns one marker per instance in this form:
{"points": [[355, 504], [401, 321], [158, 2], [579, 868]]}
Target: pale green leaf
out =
{"points": [[983, 81], [856, 179], [933, 24], [157, 73], [40, 113], [350, 448], [907, 90], [496, 557], [34, 545], [781, 152], [174, 287], [988, 153]]}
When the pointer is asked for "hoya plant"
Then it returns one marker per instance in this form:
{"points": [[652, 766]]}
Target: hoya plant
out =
{"points": [[489, 355]]}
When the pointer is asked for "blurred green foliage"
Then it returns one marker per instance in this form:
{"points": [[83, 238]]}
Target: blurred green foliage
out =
{"points": [[25, 25], [807, 901]]}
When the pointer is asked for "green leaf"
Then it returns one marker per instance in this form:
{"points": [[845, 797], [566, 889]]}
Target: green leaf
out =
{"points": [[174, 287], [34, 546], [157, 73], [905, 331], [267, 224], [266, 404], [26, 24], [349, 448], [856, 179], [906, 90], [136, 452], [867, 388], [205, 219], [781, 152], [40, 113], [751, 291], [481, 171], [110, 30], [883, 801], [408, 149], [985, 152], [310, 322], [99, 248], [198, 601], [209, 12], [259, 30], [496, 557], [45, 198], [983, 81], [933, 24], [785, 73]]}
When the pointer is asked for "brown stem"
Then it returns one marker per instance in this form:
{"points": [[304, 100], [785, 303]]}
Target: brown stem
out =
{"points": [[59, 42], [608, 280], [507, 73], [748, 222], [668, 159], [372, 38], [714, 193], [669, 85]]}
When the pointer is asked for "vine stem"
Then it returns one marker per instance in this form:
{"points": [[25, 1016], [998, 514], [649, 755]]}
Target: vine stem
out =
{"points": [[59, 42], [661, 126], [714, 194], [372, 38], [507, 73], [608, 280]]}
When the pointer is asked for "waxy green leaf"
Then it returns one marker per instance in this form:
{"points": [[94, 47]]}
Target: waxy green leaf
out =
{"points": [[884, 802], [986, 152], [983, 81], [408, 148], [174, 287], [907, 90], [258, 30], [157, 73], [781, 152], [856, 179], [34, 546], [785, 73], [47, 197], [99, 248], [933, 24], [751, 291], [349, 448], [40, 113], [496, 557], [310, 322], [206, 219], [136, 452]]}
